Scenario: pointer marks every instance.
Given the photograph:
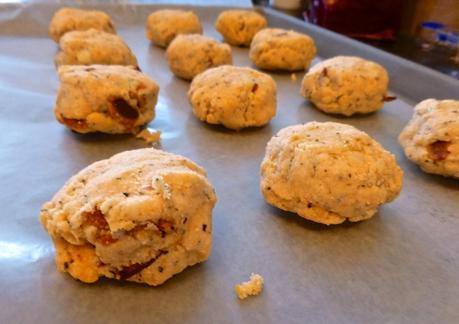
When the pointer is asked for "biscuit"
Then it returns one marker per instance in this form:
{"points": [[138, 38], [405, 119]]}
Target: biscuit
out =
{"points": [[189, 55], [163, 25], [328, 173], [70, 19], [239, 26], [431, 137], [235, 97], [105, 98], [280, 49], [93, 47], [346, 85], [141, 215]]}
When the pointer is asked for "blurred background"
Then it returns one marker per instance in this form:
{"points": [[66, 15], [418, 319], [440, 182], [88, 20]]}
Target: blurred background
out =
{"points": [[423, 31]]}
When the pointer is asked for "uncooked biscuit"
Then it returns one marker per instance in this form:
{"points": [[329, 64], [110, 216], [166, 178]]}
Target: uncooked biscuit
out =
{"points": [[93, 47], [69, 19], [189, 55], [239, 26], [346, 85], [431, 138], [236, 97], [142, 216], [164, 25], [280, 49], [328, 173], [105, 98]]}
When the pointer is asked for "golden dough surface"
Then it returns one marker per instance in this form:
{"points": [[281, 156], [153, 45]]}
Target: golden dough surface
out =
{"points": [[142, 215], [235, 97], [431, 137], [328, 173]]}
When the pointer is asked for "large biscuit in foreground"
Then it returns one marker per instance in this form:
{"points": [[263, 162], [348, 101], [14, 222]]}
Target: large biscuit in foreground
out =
{"points": [[280, 49], [164, 25], [431, 138], [189, 55], [346, 85], [93, 47], [239, 26], [236, 97], [328, 173], [105, 98], [69, 19], [142, 216]]}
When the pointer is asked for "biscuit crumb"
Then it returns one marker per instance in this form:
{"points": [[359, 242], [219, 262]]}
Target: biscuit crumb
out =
{"points": [[149, 135], [252, 287], [293, 77], [387, 98]]}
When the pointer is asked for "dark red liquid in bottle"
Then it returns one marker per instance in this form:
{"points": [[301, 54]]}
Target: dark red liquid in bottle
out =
{"points": [[368, 19]]}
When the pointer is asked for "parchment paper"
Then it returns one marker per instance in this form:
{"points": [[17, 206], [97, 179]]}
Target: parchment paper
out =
{"points": [[402, 266]]}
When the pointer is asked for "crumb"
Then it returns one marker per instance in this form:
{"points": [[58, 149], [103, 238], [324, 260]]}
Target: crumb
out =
{"points": [[149, 135], [293, 76], [387, 98], [252, 287]]}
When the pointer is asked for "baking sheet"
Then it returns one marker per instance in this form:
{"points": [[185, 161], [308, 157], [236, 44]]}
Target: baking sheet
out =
{"points": [[400, 266]]}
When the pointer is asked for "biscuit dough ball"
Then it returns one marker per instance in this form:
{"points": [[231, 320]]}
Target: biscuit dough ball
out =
{"points": [[346, 85], [189, 55], [431, 137], [164, 25], [328, 172], [105, 98], [141, 215], [280, 49], [93, 47], [235, 97], [69, 19], [239, 26]]}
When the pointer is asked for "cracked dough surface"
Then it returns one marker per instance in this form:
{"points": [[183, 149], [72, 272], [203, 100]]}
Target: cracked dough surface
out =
{"points": [[189, 55], [235, 97], [105, 98], [280, 49], [346, 85], [431, 137], [164, 25], [141, 215], [239, 26], [328, 173], [69, 19], [93, 47]]}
